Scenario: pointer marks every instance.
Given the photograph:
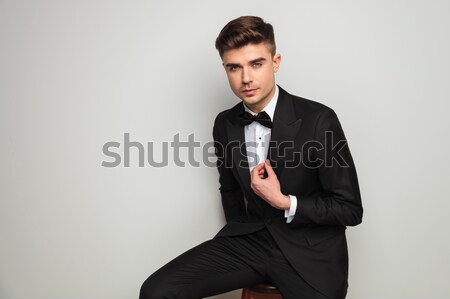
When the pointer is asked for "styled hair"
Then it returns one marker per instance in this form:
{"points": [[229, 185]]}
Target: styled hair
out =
{"points": [[243, 31]]}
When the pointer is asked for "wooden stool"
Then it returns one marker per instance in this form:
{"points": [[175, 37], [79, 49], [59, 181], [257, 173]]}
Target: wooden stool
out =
{"points": [[261, 291]]}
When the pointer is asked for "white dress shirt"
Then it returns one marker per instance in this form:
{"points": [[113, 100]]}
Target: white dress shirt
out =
{"points": [[257, 138]]}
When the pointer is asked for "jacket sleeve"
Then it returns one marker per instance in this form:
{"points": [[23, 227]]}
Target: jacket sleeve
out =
{"points": [[338, 202], [232, 197]]}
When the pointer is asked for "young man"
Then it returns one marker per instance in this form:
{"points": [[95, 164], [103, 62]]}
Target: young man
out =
{"points": [[287, 202]]}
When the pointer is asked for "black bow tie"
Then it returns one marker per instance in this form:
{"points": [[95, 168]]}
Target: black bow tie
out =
{"points": [[263, 118]]}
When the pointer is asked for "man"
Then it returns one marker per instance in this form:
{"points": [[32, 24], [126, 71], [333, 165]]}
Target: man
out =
{"points": [[287, 215]]}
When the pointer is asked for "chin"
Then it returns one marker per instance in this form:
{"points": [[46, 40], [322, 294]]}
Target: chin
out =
{"points": [[249, 103]]}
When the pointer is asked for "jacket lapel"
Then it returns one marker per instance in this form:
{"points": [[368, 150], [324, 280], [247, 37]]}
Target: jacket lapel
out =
{"points": [[285, 128], [236, 140]]}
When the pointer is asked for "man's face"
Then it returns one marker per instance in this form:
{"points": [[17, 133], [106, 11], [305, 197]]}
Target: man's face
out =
{"points": [[251, 74]]}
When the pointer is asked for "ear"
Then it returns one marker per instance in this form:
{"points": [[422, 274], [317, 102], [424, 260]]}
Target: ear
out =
{"points": [[276, 62]]}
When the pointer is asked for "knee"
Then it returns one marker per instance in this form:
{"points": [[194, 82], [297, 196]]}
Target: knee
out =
{"points": [[150, 289]]}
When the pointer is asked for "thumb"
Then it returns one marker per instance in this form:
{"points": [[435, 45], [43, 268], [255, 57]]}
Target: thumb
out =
{"points": [[269, 168]]}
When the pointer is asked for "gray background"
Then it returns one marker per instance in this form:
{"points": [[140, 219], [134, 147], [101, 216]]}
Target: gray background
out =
{"points": [[77, 74]]}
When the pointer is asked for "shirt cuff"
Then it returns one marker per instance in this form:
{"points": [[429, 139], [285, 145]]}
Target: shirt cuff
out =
{"points": [[289, 214]]}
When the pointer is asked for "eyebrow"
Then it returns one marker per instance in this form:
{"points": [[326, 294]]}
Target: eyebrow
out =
{"points": [[232, 65], [260, 59]]}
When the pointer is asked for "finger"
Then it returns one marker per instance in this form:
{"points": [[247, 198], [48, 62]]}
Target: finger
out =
{"points": [[260, 166], [255, 174], [262, 172], [269, 168]]}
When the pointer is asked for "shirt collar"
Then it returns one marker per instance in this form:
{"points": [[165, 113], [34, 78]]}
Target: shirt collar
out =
{"points": [[270, 107]]}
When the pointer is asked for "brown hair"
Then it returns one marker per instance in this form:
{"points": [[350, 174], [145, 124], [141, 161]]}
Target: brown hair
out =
{"points": [[243, 31]]}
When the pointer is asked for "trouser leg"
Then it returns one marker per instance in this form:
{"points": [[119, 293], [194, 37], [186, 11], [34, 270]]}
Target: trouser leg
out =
{"points": [[213, 267], [225, 264]]}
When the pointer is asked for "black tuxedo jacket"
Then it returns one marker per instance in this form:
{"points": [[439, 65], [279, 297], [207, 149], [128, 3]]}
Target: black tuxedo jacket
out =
{"points": [[312, 161]]}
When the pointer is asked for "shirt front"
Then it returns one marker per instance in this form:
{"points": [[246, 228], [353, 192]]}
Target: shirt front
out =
{"points": [[257, 136], [257, 139]]}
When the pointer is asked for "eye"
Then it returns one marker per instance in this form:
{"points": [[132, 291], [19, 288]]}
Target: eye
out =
{"points": [[232, 68], [256, 65]]}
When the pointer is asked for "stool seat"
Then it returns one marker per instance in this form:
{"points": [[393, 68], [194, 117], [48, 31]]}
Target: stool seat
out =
{"points": [[261, 291]]}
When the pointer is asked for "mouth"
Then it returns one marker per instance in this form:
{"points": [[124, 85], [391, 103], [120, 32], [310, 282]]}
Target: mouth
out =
{"points": [[249, 92]]}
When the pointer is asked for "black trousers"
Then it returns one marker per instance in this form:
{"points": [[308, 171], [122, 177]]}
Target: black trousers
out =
{"points": [[224, 264]]}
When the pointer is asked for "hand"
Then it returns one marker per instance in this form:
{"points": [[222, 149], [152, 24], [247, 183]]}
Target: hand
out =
{"points": [[269, 188]]}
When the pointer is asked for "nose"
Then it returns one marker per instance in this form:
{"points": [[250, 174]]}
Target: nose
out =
{"points": [[246, 75]]}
